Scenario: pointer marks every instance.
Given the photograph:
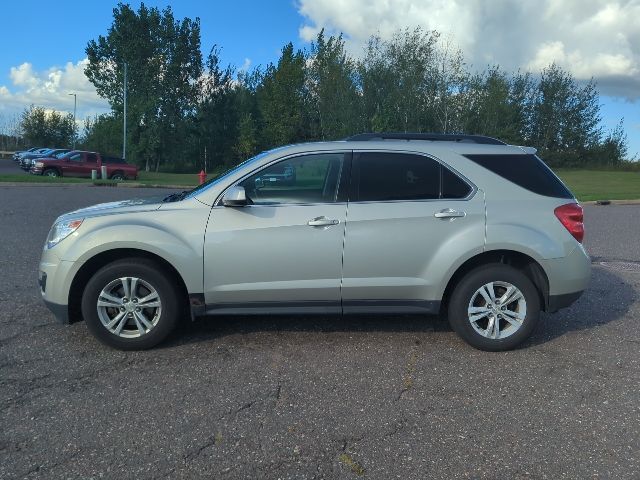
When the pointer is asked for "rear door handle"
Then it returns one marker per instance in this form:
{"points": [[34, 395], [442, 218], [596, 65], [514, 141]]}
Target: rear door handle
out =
{"points": [[449, 213], [322, 222]]}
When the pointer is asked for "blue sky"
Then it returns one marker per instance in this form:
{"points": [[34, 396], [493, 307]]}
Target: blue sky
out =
{"points": [[47, 40]]}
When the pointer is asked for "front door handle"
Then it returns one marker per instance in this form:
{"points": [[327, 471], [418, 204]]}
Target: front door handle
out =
{"points": [[449, 213], [322, 222]]}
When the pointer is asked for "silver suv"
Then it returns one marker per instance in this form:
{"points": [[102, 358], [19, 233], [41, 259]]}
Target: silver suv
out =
{"points": [[461, 225]]}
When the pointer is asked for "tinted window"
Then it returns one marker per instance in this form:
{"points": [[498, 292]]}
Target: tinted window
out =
{"points": [[76, 157], [381, 176], [453, 186], [396, 176], [527, 171], [112, 160], [303, 179], [92, 158]]}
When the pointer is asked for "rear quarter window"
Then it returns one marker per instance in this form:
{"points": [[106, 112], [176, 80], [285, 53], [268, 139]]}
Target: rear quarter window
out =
{"points": [[526, 171]]}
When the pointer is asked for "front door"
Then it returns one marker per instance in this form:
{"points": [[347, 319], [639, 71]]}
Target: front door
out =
{"points": [[74, 165], [410, 218], [283, 251]]}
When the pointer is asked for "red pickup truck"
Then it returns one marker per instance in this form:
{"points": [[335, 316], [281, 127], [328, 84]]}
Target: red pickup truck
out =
{"points": [[78, 163]]}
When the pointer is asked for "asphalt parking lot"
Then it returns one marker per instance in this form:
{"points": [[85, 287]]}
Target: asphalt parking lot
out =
{"points": [[318, 397]]}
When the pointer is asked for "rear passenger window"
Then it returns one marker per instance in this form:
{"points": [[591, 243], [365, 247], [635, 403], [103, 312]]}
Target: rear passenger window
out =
{"points": [[393, 176], [453, 186], [526, 171], [383, 176]]}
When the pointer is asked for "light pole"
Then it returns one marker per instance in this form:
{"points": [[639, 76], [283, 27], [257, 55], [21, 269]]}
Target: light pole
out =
{"points": [[124, 115], [75, 104]]}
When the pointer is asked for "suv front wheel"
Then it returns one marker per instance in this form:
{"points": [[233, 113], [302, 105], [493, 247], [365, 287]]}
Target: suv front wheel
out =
{"points": [[494, 307], [131, 304]]}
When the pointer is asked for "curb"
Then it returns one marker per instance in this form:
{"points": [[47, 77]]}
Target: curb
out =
{"points": [[611, 202], [88, 184]]}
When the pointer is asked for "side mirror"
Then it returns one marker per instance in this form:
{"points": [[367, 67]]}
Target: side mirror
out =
{"points": [[235, 197]]}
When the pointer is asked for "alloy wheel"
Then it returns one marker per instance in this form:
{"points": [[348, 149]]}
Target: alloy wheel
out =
{"points": [[497, 310], [129, 307]]}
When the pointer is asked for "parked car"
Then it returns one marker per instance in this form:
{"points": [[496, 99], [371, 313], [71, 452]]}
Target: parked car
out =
{"points": [[16, 155], [284, 174], [78, 163], [461, 225], [25, 157], [27, 161]]}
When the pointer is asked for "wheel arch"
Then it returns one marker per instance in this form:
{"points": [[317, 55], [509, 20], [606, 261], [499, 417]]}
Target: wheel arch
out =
{"points": [[101, 259], [528, 265]]}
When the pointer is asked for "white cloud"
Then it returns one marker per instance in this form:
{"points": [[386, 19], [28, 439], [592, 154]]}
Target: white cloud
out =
{"points": [[50, 89], [245, 65], [590, 38]]}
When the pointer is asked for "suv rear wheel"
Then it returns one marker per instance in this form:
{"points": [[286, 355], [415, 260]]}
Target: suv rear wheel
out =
{"points": [[131, 304], [494, 307]]}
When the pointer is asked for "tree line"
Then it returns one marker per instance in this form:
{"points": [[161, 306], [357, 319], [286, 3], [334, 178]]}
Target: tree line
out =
{"points": [[187, 111]]}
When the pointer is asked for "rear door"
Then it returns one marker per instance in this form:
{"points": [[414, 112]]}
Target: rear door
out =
{"points": [[409, 219], [91, 163]]}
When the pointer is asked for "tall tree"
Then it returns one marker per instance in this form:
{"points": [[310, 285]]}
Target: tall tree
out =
{"points": [[103, 133], [164, 64], [283, 100], [565, 117], [395, 77], [216, 116], [47, 129], [333, 89]]}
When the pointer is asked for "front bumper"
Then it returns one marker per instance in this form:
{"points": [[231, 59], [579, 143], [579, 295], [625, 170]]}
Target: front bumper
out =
{"points": [[556, 302], [53, 280], [61, 312]]}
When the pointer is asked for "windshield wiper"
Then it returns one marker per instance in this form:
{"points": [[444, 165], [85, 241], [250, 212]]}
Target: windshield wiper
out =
{"points": [[176, 197]]}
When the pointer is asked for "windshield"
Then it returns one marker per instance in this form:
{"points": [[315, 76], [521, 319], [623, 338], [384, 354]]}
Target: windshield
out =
{"points": [[217, 178]]}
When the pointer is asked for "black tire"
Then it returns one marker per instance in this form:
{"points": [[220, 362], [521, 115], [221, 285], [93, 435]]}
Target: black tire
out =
{"points": [[172, 303], [51, 172], [465, 292], [118, 176]]}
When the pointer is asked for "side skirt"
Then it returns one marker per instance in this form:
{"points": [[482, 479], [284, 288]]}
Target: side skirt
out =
{"points": [[348, 307]]}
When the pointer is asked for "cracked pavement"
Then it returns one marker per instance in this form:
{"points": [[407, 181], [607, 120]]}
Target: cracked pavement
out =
{"points": [[316, 397]]}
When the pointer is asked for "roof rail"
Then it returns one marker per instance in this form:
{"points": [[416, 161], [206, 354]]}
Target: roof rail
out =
{"points": [[433, 137]]}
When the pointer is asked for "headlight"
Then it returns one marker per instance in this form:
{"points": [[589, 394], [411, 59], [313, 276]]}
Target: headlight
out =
{"points": [[62, 230], [39, 164]]}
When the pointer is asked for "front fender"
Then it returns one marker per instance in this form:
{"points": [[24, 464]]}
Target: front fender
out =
{"points": [[180, 247]]}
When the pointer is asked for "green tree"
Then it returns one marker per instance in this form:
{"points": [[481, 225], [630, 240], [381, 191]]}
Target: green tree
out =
{"points": [[164, 64], [283, 100], [47, 129], [216, 118], [398, 80], [565, 123], [496, 104], [334, 96], [103, 133]]}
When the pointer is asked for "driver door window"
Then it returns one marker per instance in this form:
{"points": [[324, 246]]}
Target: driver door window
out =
{"points": [[306, 179]]}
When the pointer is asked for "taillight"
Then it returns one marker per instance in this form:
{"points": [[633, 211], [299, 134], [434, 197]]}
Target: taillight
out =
{"points": [[572, 217]]}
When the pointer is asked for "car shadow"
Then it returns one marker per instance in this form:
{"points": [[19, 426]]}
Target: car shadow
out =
{"points": [[607, 299]]}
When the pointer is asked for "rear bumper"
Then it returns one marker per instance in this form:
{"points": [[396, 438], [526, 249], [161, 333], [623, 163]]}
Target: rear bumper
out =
{"points": [[568, 275]]}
